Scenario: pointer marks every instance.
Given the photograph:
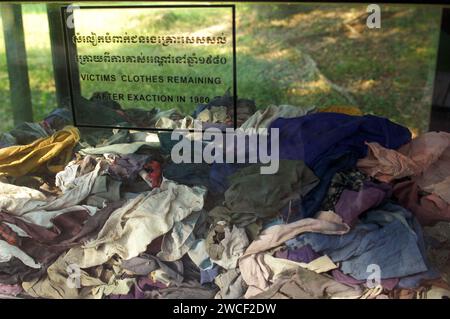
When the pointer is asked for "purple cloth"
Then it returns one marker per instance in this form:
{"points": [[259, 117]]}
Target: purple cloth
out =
{"points": [[11, 290], [304, 254], [127, 167], [351, 204], [339, 276]]}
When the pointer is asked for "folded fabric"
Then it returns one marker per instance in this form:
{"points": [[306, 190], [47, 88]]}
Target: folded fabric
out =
{"points": [[52, 152], [384, 238], [26, 133], [216, 114], [306, 284], [339, 276], [277, 266], [351, 179], [199, 255], [187, 290], [303, 254], [254, 272], [188, 173], [132, 227], [15, 272]]}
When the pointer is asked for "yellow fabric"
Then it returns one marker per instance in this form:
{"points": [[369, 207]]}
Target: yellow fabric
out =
{"points": [[349, 110], [54, 152]]}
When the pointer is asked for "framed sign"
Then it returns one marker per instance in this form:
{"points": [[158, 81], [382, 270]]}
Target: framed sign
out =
{"points": [[132, 67]]}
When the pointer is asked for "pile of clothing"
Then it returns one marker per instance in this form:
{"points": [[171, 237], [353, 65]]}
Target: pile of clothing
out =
{"points": [[357, 209]]}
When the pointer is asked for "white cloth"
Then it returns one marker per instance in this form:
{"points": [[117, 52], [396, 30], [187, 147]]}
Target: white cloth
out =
{"points": [[19, 200], [8, 251], [135, 225]]}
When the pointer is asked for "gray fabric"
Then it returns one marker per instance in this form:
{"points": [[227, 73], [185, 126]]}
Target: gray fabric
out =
{"points": [[180, 239], [231, 285], [104, 190]]}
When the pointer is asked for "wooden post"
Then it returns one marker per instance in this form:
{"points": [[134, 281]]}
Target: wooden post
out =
{"points": [[16, 59], [60, 73]]}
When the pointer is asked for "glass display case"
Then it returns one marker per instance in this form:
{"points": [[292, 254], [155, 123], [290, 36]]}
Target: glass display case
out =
{"points": [[224, 150]]}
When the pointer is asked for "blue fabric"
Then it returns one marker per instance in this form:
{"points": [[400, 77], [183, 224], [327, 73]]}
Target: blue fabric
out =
{"points": [[384, 237], [319, 135], [218, 176], [414, 281], [188, 173], [208, 275], [329, 143]]}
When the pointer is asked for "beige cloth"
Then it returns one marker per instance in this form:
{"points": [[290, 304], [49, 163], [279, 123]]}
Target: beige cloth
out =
{"points": [[306, 284], [217, 114], [19, 200], [426, 158], [227, 252], [436, 179], [410, 159], [61, 282], [132, 227], [231, 285], [255, 273], [277, 266]]}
